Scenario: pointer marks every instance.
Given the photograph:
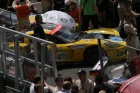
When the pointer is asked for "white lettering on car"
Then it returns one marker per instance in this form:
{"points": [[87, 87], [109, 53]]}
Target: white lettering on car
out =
{"points": [[77, 46]]}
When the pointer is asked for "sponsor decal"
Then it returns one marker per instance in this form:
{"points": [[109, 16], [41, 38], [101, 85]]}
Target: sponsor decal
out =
{"points": [[77, 46], [56, 29], [71, 20], [53, 18], [87, 40], [45, 15], [112, 45], [61, 56], [64, 20]]}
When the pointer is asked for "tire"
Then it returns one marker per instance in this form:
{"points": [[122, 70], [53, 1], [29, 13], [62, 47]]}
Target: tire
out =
{"points": [[91, 55]]}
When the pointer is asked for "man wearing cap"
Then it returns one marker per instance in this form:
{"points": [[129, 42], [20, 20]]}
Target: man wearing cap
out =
{"points": [[85, 85], [59, 85]]}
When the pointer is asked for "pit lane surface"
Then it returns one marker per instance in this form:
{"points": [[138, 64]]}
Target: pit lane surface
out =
{"points": [[70, 71]]}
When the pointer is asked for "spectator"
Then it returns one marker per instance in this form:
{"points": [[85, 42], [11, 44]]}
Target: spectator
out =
{"points": [[22, 8], [39, 32], [84, 84], [58, 4], [102, 91], [116, 87], [59, 85], [101, 4], [29, 51], [73, 11], [90, 13], [136, 9], [69, 79], [46, 5], [67, 4], [131, 32], [123, 7], [74, 89], [101, 86], [37, 80], [66, 87], [136, 61], [4, 4], [37, 88], [10, 4], [33, 9], [114, 12]]}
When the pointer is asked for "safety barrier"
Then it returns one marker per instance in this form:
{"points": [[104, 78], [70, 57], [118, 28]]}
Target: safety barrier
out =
{"points": [[20, 67]]}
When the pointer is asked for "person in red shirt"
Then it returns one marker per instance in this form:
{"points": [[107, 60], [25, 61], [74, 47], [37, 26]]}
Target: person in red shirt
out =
{"points": [[136, 61], [22, 8], [73, 11]]}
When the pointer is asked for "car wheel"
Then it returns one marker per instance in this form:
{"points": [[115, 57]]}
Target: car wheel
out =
{"points": [[91, 55]]}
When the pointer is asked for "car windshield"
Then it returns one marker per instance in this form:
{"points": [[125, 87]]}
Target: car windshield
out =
{"points": [[68, 34]]}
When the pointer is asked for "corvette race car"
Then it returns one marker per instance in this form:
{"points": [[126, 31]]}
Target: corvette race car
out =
{"points": [[78, 46]]}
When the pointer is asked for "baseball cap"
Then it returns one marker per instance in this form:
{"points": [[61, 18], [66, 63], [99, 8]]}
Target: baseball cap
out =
{"points": [[81, 72], [57, 79]]}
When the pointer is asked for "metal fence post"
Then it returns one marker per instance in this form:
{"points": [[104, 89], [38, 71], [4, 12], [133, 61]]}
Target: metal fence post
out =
{"points": [[36, 56], [16, 62], [101, 57], [2, 41], [42, 65], [54, 60]]}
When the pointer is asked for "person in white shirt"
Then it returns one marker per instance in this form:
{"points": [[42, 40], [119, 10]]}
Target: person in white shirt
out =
{"points": [[37, 80], [66, 87], [59, 84], [84, 84]]}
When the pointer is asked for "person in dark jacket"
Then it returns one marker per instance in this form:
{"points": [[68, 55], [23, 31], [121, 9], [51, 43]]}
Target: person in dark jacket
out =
{"points": [[39, 32], [136, 9], [58, 4], [101, 86]]}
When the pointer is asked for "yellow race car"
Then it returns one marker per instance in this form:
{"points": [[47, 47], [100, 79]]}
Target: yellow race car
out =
{"points": [[78, 46]]}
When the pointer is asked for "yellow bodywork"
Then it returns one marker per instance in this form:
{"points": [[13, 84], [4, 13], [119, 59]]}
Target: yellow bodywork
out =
{"points": [[74, 52]]}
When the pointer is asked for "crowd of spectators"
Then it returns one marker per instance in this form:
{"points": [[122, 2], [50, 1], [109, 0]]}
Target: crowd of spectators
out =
{"points": [[104, 13], [69, 85]]}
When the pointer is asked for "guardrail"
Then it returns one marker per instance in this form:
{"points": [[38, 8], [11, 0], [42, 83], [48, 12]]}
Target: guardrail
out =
{"points": [[11, 60]]}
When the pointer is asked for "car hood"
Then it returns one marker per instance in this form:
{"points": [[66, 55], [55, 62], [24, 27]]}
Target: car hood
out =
{"points": [[110, 31]]}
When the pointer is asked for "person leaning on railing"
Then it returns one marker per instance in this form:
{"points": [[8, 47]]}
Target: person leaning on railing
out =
{"points": [[22, 8]]}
